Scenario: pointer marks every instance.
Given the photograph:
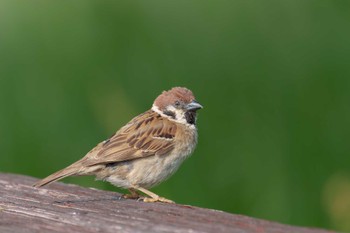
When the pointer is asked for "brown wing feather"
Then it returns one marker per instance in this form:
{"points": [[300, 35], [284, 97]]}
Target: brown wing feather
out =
{"points": [[146, 135]]}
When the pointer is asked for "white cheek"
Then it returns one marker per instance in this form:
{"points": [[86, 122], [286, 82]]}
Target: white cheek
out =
{"points": [[171, 108], [179, 114]]}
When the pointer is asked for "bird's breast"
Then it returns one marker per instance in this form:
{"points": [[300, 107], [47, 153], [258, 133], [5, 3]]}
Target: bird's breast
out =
{"points": [[150, 171]]}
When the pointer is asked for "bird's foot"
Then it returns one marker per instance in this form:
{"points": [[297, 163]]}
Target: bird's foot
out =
{"points": [[159, 199], [152, 196], [132, 195]]}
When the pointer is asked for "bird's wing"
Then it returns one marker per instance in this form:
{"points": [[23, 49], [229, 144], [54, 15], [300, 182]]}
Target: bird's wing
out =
{"points": [[146, 135]]}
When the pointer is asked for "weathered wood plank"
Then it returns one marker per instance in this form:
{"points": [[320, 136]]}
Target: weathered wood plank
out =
{"points": [[70, 208]]}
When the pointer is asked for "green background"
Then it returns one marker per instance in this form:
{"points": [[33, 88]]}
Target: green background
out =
{"points": [[273, 77]]}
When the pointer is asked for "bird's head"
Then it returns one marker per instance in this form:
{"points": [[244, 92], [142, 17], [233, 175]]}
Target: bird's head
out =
{"points": [[178, 104]]}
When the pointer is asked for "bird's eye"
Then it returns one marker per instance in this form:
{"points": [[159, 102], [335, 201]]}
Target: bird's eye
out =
{"points": [[177, 103]]}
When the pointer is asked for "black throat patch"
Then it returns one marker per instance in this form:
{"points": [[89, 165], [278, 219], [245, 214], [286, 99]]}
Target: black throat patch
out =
{"points": [[190, 117]]}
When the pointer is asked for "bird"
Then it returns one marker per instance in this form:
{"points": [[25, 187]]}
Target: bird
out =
{"points": [[144, 152]]}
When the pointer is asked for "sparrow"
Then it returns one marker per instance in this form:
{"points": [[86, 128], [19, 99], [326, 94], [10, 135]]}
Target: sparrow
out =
{"points": [[144, 152]]}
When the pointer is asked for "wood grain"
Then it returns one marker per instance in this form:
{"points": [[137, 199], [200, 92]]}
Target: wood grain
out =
{"points": [[69, 208]]}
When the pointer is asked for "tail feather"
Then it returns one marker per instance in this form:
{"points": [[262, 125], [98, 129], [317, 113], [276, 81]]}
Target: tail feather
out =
{"points": [[68, 171]]}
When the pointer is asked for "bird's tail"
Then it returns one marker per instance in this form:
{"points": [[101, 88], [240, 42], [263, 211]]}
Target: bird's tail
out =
{"points": [[71, 170]]}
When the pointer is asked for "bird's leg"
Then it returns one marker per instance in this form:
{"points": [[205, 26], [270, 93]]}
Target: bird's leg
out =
{"points": [[153, 197], [132, 195]]}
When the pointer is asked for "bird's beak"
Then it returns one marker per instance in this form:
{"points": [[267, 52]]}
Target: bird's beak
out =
{"points": [[193, 106]]}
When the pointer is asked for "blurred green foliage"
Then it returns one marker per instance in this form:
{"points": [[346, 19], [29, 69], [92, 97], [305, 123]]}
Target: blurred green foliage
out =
{"points": [[273, 76]]}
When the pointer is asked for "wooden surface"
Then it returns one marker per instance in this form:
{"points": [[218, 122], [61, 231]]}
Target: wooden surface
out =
{"points": [[70, 208]]}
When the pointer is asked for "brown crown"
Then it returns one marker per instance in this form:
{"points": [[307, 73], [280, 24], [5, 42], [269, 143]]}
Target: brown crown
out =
{"points": [[176, 93]]}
